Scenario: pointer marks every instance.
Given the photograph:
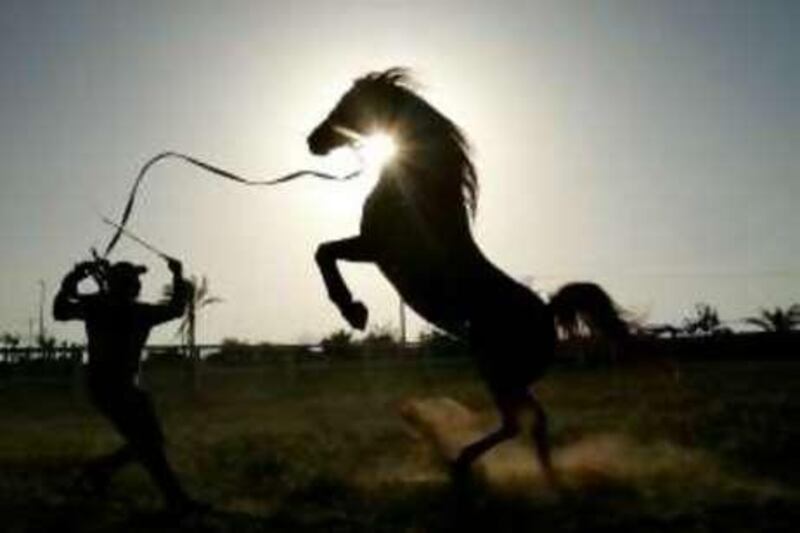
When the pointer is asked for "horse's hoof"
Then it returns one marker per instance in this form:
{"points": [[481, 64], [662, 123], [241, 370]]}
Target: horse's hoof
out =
{"points": [[92, 482], [356, 314], [187, 508], [553, 482], [460, 471]]}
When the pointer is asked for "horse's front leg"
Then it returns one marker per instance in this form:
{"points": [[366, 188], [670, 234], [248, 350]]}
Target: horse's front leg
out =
{"points": [[353, 249]]}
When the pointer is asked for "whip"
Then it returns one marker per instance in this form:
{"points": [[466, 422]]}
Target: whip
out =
{"points": [[213, 169], [135, 238]]}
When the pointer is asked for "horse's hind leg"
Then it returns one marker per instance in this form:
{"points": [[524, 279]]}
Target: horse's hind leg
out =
{"points": [[509, 428], [541, 438]]}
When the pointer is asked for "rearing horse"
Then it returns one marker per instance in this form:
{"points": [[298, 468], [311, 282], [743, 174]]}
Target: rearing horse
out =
{"points": [[415, 227]]}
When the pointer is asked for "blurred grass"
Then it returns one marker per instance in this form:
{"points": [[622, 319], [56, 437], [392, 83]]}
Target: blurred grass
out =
{"points": [[320, 447]]}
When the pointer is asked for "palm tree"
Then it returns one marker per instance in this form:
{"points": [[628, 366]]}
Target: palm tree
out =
{"points": [[9, 342], [198, 298], [705, 321], [776, 320], [339, 342]]}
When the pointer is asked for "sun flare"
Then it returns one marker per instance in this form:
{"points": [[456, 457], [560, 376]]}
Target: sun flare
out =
{"points": [[377, 150], [368, 154]]}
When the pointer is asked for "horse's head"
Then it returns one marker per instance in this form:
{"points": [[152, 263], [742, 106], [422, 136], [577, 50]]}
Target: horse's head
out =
{"points": [[435, 154], [369, 107]]}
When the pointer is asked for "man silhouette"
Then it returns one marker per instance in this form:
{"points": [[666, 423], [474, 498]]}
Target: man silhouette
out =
{"points": [[117, 327]]}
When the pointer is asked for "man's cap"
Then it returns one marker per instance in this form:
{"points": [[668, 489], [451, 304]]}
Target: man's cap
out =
{"points": [[125, 269]]}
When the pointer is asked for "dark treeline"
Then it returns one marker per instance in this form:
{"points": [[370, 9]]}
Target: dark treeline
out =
{"points": [[756, 346], [701, 335], [762, 345]]}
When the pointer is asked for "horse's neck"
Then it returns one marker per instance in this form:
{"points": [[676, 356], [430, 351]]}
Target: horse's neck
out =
{"points": [[426, 190], [399, 214]]}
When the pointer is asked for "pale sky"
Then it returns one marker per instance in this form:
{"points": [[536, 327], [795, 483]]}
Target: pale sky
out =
{"points": [[651, 146]]}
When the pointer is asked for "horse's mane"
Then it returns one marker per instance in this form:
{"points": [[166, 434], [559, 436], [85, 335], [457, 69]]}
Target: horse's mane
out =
{"points": [[451, 140]]}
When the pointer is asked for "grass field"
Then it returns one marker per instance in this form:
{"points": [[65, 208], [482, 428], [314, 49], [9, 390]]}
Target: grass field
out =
{"points": [[321, 447]]}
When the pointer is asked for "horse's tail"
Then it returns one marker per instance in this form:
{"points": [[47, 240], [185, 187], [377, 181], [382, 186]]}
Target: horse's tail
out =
{"points": [[587, 303]]}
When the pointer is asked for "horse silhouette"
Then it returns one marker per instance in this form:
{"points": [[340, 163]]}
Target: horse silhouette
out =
{"points": [[415, 227]]}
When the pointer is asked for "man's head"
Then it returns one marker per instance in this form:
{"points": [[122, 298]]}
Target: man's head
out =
{"points": [[123, 280]]}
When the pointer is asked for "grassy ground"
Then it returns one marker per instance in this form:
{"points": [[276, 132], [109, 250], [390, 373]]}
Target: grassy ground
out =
{"points": [[322, 448]]}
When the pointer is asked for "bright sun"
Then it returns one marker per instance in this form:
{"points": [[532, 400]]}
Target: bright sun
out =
{"points": [[376, 150], [369, 154]]}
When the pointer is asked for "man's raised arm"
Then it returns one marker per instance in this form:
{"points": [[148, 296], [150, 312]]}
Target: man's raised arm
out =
{"points": [[181, 292], [67, 304]]}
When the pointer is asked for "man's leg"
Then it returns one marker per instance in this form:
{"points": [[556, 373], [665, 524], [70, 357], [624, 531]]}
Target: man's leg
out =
{"points": [[136, 420], [97, 473], [113, 461], [107, 465]]}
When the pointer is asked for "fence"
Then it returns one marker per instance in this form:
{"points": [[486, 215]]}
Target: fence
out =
{"points": [[293, 360]]}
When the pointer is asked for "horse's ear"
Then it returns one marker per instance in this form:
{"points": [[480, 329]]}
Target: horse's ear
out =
{"points": [[398, 76]]}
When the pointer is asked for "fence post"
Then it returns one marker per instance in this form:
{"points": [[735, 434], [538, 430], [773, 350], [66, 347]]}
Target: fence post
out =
{"points": [[76, 355]]}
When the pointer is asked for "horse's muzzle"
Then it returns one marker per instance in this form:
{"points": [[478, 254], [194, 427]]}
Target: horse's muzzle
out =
{"points": [[321, 141]]}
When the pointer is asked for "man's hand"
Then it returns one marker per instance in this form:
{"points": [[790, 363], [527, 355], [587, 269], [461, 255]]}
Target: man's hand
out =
{"points": [[80, 272], [84, 268], [175, 266]]}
